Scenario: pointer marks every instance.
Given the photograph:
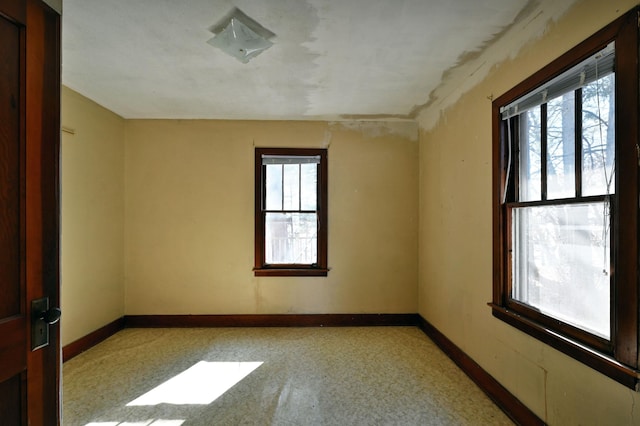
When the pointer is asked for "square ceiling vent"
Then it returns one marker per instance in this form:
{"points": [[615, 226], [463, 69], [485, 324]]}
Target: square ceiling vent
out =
{"points": [[240, 36]]}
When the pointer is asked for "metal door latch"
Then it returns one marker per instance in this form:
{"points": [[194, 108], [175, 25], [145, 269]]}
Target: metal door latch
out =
{"points": [[41, 317]]}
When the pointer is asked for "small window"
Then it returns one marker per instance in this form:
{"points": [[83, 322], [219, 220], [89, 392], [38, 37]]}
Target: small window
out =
{"points": [[290, 212], [565, 203]]}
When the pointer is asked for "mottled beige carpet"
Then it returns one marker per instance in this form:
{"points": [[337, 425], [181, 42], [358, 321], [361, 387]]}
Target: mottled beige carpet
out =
{"points": [[271, 376]]}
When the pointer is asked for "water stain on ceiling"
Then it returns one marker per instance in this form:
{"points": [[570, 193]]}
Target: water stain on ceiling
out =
{"points": [[330, 60]]}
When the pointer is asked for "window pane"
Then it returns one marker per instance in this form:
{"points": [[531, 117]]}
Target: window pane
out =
{"points": [[598, 137], [274, 187], [561, 258], [530, 155], [561, 151], [291, 238], [291, 191], [309, 191]]}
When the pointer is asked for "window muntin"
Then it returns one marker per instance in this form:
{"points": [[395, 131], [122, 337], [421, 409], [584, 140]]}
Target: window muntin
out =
{"points": [[605, 174], [290, 211]]}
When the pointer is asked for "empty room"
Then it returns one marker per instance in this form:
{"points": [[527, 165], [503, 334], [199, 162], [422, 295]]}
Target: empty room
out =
{"points": [[322, 212]]}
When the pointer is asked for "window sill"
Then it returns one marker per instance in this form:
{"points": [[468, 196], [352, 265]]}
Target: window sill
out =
{"points": [[290, 272], [600, 362]]}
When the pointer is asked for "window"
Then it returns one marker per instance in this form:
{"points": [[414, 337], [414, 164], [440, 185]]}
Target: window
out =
{"points": [[291, 212], [565, 203]]}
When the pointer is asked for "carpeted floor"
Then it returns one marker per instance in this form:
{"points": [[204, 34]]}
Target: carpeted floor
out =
{"points": [[271, 376]]}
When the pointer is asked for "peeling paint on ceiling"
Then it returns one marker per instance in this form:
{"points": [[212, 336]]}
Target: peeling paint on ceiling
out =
{"points": [[331, 60], [528, 25], [407, 130]]}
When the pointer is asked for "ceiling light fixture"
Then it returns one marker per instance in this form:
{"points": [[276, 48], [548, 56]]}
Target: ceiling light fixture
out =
{"points": [[240, 36]]}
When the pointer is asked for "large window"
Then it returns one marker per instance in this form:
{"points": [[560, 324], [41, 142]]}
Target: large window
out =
{"points": [[291, 212], [566, 203]]}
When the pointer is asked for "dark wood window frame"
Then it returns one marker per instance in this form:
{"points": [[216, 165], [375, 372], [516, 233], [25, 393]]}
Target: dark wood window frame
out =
{"points": [[618, 357], [261, 268]]}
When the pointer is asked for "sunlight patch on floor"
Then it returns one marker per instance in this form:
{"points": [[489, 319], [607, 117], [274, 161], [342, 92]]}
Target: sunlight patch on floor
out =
{"points": [[200, 384]]}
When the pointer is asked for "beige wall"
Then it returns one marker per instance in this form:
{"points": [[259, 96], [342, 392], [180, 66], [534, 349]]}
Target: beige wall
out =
{"points": [[157, 218], [92, 215], [189, 218], [455, 278]]}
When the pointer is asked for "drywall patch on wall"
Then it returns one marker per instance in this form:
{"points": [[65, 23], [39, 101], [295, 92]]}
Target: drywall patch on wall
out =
{"points": [[633, 405], [258, 295], [530, 25], [406, 129], [326, 141]]}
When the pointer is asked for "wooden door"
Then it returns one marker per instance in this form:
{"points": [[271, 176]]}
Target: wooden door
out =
{"points": [[29, 208]]}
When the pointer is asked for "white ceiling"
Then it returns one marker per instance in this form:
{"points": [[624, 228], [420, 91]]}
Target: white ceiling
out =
{"points": [[331, 59]]}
